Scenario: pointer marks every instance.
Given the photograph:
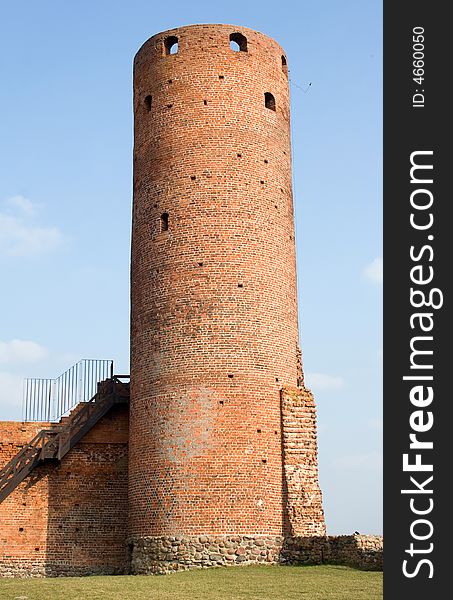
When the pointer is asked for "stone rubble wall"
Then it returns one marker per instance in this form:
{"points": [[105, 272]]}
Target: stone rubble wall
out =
{"points": [[358, 551], [169, 554]]}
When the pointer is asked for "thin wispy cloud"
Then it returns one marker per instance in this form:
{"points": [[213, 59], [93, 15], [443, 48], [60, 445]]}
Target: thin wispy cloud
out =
{"points": [[374, 272], [16, 352], [323, 381], [21, 205], [11, 387], [15, 355], [20, 233]]}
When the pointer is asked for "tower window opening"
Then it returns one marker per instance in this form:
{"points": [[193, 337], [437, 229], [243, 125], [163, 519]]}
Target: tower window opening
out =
{"points": [[238, 42], [171, 45], [164, 222], [284, 64], [148, 103], [269, 101]]}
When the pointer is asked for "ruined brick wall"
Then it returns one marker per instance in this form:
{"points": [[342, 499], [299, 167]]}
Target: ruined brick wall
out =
{"points": [[214, 312], [68, 518], [300, 460]]}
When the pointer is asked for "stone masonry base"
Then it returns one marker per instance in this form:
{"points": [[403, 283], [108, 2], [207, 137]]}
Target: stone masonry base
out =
{"points": [[168, 554]]}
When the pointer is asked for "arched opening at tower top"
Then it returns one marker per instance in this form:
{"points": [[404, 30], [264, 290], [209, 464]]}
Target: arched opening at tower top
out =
{"points": [[171, 45], [269, 101], [238, 42], [284, 64], [148, 103]]}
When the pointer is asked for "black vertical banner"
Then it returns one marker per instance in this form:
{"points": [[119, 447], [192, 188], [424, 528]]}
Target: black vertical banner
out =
{"points": [[418, 241]]}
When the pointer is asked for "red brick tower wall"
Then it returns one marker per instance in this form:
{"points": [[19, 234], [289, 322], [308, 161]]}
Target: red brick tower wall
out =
{"points": [[214, 304]]}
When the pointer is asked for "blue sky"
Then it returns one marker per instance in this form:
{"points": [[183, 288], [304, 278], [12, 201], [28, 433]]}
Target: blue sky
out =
{"points": [[65, 204]]}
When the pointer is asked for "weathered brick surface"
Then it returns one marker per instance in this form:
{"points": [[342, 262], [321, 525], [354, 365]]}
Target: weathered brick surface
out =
{"points": [[68, 518], [214, 310], [300, 463]]}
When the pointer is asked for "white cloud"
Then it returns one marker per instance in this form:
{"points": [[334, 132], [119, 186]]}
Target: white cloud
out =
{"points": [[20, 235], [11, 387], [322, 381], [22, 205], [374, 272], [21, 351]]}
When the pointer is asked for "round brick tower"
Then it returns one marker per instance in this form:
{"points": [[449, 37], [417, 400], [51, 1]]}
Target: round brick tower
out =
{"points": [[214, 308]]}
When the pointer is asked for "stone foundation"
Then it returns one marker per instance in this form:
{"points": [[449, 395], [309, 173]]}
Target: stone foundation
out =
{"points": [[178, 553], [165, 554]]}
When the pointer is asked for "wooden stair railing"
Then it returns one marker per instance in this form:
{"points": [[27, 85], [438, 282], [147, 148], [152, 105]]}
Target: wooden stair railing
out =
{"points": [[55, 443]]}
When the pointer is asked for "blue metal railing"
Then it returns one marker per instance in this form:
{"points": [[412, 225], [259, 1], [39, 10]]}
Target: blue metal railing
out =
{"points": [[50, 399]]}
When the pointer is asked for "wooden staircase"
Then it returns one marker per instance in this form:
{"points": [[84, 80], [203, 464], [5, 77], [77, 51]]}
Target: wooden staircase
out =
{"points": [[56, 442]]}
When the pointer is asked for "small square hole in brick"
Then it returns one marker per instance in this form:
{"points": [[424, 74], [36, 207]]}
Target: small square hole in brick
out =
{"points": [[200, 264], [266, 161], [221, 402], [264, 461], [221, 76], [276, 379], [169, 105], [193, 177], [258, 431], [21, 529], [240, 285], [239, 155], [205, 102], [170, 81], [230, 376]]}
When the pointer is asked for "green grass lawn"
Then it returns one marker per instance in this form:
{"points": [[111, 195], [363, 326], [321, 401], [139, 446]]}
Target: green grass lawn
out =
{"points": [[325, 582]]}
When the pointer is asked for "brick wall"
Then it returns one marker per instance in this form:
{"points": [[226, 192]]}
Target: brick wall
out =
{"points": [[300, 460], [69, 517]]}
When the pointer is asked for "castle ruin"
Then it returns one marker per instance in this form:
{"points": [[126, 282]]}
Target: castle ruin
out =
{"points": [[209, 457]]}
